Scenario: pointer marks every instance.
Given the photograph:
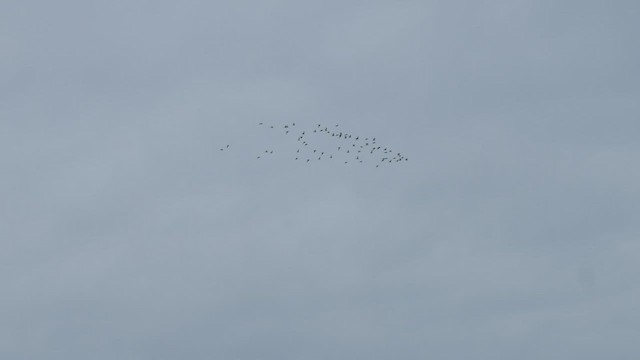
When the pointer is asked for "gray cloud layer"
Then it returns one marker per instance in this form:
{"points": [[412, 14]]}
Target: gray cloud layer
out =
{"points": [[511, 233]]}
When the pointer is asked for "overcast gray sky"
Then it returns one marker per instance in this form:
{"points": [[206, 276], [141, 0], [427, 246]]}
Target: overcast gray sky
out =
{"points": [[512, 232]]}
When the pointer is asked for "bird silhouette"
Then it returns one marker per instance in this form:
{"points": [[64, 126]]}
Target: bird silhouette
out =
{"points": [[340, 138]]}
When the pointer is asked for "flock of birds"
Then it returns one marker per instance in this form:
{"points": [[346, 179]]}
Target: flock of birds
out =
{"points": [[348, 148]]}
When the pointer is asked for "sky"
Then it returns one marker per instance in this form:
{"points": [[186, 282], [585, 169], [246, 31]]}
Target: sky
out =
{"points": [[511, 233]]}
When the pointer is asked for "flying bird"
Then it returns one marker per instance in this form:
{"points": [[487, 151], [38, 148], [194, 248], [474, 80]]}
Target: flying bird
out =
{"points": [[356, 145]]}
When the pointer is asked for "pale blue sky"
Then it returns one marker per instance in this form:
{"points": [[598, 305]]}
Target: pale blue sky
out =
{"points": [[512, 232]]}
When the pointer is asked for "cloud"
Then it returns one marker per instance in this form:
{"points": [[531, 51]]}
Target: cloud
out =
{"points": [[127, 234]]}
